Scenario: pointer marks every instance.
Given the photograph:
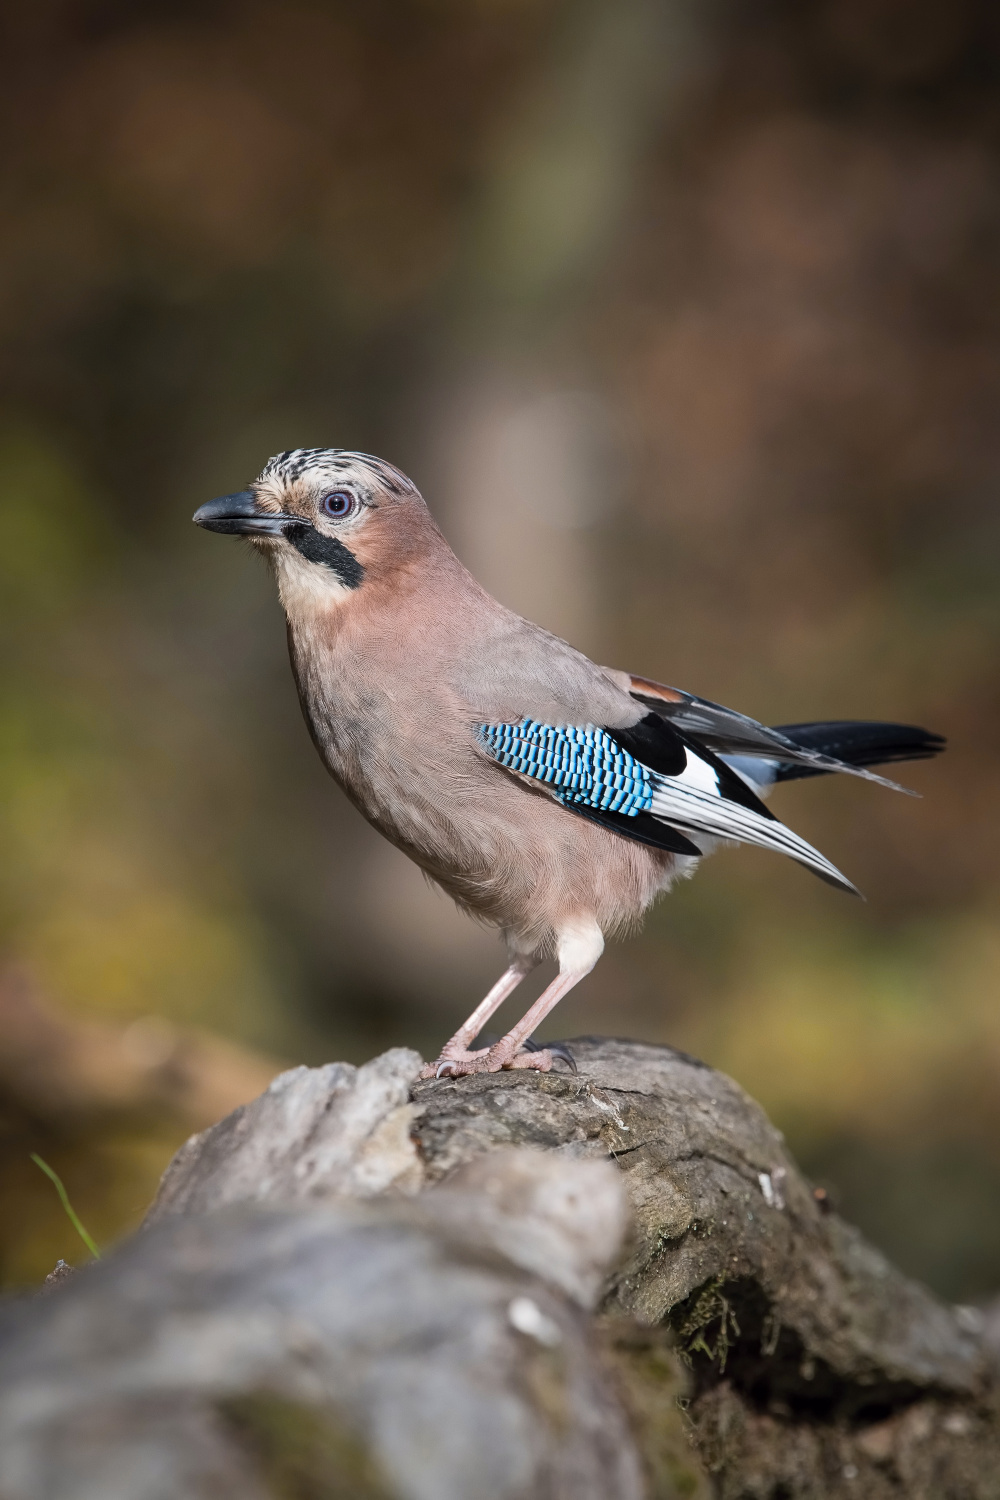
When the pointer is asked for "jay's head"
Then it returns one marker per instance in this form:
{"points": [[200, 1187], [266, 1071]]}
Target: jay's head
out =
{"points": [[329, 521]]}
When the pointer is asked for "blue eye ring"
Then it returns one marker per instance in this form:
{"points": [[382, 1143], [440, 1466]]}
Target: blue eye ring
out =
{"points": [[339, 504]]}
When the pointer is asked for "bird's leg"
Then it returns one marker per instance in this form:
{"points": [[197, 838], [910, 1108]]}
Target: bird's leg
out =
{"points": [[456, 1050], [579, 947]]}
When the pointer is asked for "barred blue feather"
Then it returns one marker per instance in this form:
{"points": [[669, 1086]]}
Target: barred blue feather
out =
{"points": [[583, 766]]}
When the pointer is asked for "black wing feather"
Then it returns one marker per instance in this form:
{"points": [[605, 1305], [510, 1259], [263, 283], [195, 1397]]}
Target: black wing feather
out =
{"points": [[857, 743], [730, 733], [642, 829], [661, 747]]}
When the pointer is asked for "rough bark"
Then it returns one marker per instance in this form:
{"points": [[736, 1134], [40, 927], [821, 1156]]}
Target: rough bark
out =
{"points": [[495, 1286], [817, 1368]]}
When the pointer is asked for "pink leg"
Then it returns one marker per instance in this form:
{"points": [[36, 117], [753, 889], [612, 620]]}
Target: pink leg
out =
{"points": [[456, 1050], [579, 947]]}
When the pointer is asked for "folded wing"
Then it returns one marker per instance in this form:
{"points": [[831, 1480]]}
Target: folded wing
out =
{"points": [[650, 782]]}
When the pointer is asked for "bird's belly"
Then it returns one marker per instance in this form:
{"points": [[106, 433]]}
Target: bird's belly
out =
{"points": [[506, 852], [511, 855]]}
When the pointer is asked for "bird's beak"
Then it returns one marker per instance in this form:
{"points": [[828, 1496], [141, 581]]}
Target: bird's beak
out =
{"points": [[237, 515]]}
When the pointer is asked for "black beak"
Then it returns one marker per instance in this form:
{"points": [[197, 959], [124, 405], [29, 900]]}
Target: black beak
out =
{"points": [[237, 515]]}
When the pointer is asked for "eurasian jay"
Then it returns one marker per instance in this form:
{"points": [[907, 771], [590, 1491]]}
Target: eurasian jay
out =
{"points": [[552, 798]]}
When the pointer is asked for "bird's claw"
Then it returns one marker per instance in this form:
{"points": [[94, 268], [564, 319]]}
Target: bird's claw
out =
{"points": [[556, 1049], [496, 1059], [450, 1064]]}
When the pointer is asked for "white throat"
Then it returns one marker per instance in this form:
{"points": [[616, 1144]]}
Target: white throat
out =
{"points": [[306, 588]]}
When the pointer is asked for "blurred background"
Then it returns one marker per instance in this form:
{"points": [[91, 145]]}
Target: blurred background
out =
{"points": [[728, 276]]}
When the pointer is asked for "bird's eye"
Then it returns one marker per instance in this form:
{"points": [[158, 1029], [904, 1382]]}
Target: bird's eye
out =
{"points": [[340, 504]]}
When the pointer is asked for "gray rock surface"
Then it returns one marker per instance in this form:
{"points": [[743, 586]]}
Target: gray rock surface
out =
{"points": [[365, 1285]]}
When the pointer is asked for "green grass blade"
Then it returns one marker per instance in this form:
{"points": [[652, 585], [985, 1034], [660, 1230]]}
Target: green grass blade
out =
{"points": [[67, 1205]]}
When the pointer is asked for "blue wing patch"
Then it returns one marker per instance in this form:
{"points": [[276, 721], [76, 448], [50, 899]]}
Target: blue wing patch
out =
{"points": [[583, 766]]}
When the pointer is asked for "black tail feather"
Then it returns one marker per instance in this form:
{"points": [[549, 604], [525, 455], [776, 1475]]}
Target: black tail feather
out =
{"points": [[857, 743]]}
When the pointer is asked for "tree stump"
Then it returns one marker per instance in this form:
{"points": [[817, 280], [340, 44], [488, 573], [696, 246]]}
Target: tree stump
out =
{"points": [[608, 1283]]}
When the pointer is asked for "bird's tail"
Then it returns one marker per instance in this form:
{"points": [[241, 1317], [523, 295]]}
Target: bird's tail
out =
{"points": [[856, 743]]}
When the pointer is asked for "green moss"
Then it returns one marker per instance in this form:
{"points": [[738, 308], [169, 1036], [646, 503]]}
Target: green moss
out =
{"points": [[301, 1452], [544, 1373], [653, 1385], [710, 1307]]}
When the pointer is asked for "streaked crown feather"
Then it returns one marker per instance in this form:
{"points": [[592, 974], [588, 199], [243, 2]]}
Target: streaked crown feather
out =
{"points": [[295, 462]]}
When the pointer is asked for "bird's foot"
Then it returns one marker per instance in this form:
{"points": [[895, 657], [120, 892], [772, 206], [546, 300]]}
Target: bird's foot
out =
{"points": [[452, 1057], [459, 1063]]}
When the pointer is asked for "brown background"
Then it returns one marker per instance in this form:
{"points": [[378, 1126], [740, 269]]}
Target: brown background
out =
{"points": [[725, 274]]}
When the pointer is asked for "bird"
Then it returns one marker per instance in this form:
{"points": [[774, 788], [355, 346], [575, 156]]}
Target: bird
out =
{"points": [[552, 798]]}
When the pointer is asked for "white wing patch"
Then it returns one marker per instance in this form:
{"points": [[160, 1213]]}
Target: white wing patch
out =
{"points": [[698, 774]]}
